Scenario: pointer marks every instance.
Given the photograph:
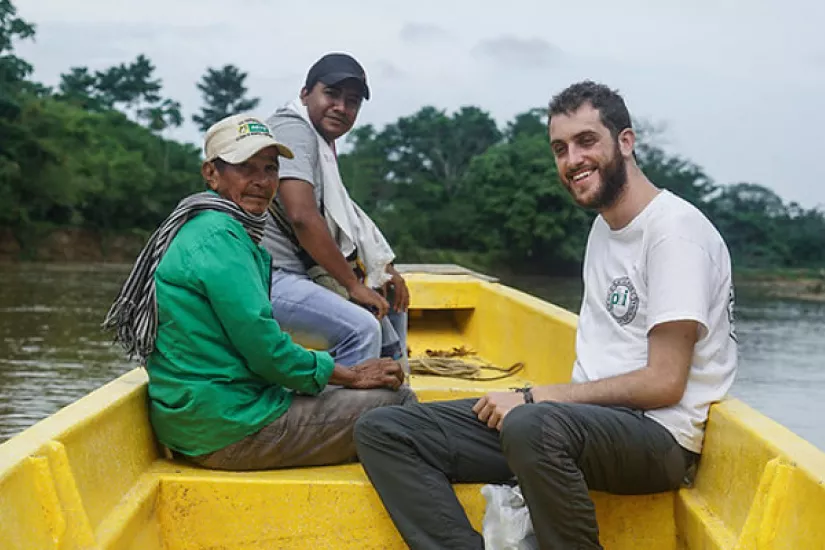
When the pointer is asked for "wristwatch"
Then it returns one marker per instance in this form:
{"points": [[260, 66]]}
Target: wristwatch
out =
{"points": [[527, 392]]}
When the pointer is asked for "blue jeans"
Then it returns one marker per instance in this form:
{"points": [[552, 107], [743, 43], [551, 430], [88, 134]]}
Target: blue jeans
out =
{"points": [[321, 319]]}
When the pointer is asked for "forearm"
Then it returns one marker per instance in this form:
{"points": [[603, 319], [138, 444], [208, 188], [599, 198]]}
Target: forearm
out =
{"points": [[639, 389], [294, 367], [273, 355], [314, 237], [342, 376]]}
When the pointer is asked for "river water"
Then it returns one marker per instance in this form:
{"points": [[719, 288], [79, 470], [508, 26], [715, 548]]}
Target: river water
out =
{"points": [[52, 350]]}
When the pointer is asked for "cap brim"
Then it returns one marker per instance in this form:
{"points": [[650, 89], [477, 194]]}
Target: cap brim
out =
{"points": [[332, 79], [251, 145]]}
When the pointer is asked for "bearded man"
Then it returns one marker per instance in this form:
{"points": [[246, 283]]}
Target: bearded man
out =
{"points": [[655, 347]]}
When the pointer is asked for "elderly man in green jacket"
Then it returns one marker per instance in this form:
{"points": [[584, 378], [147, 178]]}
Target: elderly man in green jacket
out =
{"points": [[228, 389]]}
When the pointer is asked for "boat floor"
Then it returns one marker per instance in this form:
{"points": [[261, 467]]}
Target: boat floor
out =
{"points": [[441, 335], [336, 507]]}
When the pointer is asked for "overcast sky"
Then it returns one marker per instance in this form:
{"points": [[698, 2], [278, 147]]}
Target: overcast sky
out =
{"points": [[738, 83]]}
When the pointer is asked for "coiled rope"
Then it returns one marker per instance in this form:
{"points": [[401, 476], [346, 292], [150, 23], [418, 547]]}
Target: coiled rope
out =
{"points": [[446, 363]]}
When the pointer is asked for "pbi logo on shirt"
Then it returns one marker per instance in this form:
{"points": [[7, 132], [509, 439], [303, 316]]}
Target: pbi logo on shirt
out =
{"points": [[622, 300]]}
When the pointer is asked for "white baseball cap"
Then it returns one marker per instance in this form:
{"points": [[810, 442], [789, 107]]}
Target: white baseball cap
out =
{"points": [[236, 138]]}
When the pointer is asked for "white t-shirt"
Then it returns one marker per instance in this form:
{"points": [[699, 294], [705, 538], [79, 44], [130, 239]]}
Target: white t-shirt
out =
{"points": [[669, 263]]}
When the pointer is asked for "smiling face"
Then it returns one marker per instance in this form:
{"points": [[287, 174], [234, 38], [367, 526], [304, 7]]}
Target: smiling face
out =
{"points": [[251, 185], [592, 164], [333, 109]]}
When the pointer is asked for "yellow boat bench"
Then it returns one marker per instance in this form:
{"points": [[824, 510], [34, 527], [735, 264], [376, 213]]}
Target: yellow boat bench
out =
{"points": [[93, 475]]}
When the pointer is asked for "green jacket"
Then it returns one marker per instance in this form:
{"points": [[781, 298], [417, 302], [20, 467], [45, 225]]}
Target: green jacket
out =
{"points": [[222, 368]]}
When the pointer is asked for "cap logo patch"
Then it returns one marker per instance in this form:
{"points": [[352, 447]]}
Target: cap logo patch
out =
{"points": [[252, 128]]}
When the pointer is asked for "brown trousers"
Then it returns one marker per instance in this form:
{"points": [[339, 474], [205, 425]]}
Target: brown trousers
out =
{"points": [[314, 431]]}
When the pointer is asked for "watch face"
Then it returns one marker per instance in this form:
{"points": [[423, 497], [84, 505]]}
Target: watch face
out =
{"points": [[527, 393]]}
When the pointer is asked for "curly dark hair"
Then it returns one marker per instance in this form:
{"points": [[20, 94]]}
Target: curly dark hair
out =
{"points": [[612, 109]]}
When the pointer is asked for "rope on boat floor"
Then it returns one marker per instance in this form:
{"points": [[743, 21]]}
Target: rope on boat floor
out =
{"points": [[446, 363]]}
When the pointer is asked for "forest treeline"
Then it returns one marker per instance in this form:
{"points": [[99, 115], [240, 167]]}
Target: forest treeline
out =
{"points": [[92, 152]]}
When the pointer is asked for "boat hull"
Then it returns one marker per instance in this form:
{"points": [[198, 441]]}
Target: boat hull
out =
{"points": [[93, 476]]}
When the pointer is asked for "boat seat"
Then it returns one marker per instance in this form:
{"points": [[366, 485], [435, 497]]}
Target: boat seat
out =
{"points": [[327, 503], [341, 500]]}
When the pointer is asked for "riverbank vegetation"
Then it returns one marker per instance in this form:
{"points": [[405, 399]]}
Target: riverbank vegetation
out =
{"points": [[92, 155]]}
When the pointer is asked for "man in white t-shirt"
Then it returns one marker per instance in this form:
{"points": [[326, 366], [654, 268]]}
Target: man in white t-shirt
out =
{"points": [[655, 348]]}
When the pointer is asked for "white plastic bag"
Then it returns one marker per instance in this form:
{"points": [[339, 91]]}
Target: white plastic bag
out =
{"points": [[506, 522]]}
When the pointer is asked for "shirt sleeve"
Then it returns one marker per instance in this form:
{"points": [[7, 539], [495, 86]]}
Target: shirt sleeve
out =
{"points": [[302, 141], [680, 275], [231, 280]]}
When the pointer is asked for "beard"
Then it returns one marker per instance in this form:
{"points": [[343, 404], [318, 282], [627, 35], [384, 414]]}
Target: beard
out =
{"points": [[613, 175]]}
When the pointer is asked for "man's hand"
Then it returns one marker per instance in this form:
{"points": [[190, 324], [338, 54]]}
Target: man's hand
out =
{"points": [[377, 373], [493, 407], [369, 298], [402, 293]]}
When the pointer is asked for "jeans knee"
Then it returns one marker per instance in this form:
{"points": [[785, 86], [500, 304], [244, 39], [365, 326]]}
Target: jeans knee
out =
{"points": [[530, 432], [366, 331], [358, 339], [520, 430]]}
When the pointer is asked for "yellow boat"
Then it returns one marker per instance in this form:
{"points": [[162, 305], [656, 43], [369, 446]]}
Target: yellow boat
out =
{"points": [[93, 476]]}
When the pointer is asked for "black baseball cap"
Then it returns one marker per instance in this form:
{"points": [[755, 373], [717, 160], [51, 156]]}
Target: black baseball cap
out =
{"points": [[337, 67]]}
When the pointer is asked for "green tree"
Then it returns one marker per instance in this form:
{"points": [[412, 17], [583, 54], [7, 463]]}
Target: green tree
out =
{"points": [[22, 154], [79, 87], [161, 117], [520, 209], [750, 217], [224, 94], [804, 231], [129, 86], [139, 86], [165, 115], [529, 123], [417, 164], [672, 172], [69, 162], [431, 145], [12, 68]]}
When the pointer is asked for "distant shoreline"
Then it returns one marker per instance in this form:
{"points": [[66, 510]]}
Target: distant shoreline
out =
{"points": [[76, 245], [807, 284]]}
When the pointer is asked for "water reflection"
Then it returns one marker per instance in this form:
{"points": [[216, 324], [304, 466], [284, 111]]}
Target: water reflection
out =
{"points": [[52, 350], [783, 370]]}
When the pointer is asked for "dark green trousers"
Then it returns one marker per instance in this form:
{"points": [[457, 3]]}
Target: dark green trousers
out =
{"points": [[556, 451]]}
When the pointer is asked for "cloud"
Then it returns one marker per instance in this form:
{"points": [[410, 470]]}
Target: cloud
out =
{"points": [[58, 46], [509, 51], [385, 69], [416, 33]]}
